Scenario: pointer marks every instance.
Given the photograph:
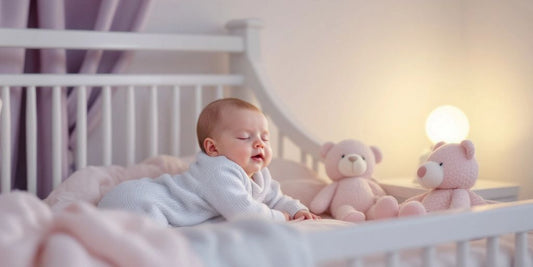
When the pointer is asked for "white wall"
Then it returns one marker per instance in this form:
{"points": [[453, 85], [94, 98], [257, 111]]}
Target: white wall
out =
{"points": [[500, 64], [373, 70]]}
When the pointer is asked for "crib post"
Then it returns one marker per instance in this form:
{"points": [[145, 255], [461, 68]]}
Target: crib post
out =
{"points": [[249, 29], [5, 142], [248, 64]]}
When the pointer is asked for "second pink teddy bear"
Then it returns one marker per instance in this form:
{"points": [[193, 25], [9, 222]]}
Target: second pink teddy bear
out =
{"points": [[450, 172]]}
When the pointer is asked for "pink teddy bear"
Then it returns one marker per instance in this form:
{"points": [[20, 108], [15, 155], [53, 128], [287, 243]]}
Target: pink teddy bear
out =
{"points": [[450, 172], [353, 195]]}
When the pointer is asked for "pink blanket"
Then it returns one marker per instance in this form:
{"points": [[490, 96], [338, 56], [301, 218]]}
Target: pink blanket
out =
{"points": [[66, 229], [81, 235]]}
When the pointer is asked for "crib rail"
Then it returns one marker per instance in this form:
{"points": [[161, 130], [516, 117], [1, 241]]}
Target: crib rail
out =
{"points": [[249, 64], [116, 79], [77, 39], [354, 243]]}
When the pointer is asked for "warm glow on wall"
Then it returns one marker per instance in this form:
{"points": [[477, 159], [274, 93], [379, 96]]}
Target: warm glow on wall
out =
{"points": [[448, 124]]}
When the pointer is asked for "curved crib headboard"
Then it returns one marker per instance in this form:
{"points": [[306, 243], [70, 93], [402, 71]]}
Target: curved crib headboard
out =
{"points": [[246, 80]]}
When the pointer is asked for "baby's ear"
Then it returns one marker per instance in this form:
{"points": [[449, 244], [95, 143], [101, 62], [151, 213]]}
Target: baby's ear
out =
{"points": [[210, 147]]}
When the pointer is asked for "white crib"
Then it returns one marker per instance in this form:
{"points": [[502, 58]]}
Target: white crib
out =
{"points": [[400, 242], [242, 45]]}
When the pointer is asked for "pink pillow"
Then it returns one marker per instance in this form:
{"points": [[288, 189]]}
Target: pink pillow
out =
{"points": [[296, 180]]}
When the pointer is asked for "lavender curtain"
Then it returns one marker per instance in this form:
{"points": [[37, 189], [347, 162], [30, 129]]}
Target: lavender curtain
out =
{"points": [[100, 15]]}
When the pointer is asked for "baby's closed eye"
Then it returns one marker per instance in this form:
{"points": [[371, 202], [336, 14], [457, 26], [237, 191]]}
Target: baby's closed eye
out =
{"points": [[243, 137]]}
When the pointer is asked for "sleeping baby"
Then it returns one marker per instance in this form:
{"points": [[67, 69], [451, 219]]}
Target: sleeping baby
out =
{"points": [[228, 180]]}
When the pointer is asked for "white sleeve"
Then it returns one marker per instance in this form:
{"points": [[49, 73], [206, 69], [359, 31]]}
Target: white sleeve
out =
{"points": [[277, 200], [228, 195]]}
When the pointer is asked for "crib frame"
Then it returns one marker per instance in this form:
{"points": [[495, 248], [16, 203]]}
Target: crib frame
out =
{"points": [[250, 82], [242, 43]]}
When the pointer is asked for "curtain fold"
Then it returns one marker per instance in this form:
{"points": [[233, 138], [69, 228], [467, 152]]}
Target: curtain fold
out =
{"points": [[103, 15]]}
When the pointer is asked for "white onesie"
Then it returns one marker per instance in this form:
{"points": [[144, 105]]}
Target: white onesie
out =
{"points": [[213, 189]]}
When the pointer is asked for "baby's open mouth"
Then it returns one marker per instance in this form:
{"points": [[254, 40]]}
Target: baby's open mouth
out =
{"points": [[258, 157]]}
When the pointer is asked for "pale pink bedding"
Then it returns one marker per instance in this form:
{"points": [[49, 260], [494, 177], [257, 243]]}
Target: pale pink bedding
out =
{"points": [[66, 229], [69, 231], [91, 183], [81, 235]]}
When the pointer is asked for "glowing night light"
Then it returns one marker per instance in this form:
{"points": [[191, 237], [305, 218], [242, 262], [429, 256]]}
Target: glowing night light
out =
{"points": [[448, 124]]}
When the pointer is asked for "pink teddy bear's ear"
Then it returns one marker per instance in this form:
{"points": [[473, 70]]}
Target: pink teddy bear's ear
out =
{"points": [[325, 149], [469, 148], [377, 153], [439, 144]]}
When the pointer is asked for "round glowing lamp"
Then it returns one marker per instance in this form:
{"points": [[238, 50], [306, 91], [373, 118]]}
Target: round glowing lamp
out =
{"points": [[448, 124]]}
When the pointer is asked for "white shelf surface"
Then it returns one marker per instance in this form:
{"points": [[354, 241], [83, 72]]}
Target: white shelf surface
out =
{"points": [[405, 187]]}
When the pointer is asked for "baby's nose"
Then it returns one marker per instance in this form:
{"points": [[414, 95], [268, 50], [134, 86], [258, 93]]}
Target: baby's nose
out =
{"points": [[259, 143]]}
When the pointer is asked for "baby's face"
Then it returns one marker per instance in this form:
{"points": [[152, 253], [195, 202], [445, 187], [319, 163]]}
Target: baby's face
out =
{"points": [[242, 136]]}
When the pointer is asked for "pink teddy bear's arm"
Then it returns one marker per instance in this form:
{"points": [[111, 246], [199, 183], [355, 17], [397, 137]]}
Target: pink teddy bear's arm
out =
{"points": [[476, 199], [321, 201], [377, 190], [460, 199]]}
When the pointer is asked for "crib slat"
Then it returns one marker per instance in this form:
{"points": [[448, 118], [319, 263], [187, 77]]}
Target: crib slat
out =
{"points": [[130, 125], [153, 131], [281, 141], [6, 139], [392, 259], [493, 251], [56, 136], [428, 256], [175, 121], [219, 93], [521, 250], [31, 139], [81, 128], [106, 126], [355, 262], [198, 100], [303, 157], [315, 164], [463, 250], [198, 103]]}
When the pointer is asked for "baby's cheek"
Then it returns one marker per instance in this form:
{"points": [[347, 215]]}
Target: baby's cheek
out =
{"points": [[268, 156]]}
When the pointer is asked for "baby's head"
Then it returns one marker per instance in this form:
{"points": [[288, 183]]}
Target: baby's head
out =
{"points": [[236, 129]]}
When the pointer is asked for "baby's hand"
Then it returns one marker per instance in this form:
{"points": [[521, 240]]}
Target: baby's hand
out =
{"points": [[306, 215]]}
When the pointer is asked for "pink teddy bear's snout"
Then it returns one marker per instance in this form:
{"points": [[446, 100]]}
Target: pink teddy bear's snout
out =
{"points": [[421, 171], [430, 175], [353, 158], [352, 165]]}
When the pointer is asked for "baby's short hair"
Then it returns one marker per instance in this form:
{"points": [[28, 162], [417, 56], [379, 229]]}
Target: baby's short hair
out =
{"points": [[211, 114]]}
